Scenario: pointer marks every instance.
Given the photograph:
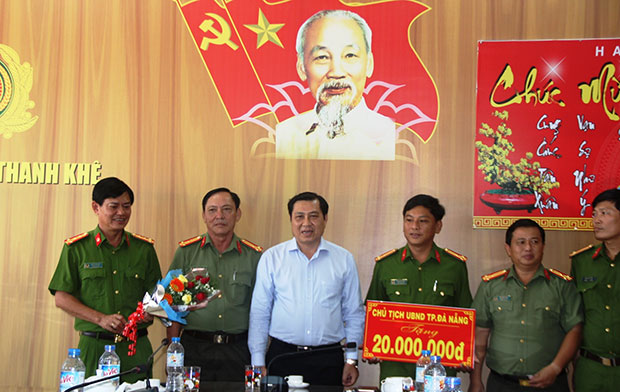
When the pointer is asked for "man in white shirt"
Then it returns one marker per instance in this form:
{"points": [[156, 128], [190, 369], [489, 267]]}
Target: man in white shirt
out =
{"points": [[307, 299]]}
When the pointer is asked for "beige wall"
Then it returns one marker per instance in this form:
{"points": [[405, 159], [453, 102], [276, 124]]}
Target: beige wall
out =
{"points": [[120, 82]]}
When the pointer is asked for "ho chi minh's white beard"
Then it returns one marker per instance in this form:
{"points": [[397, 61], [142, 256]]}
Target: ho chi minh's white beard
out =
{"points": [[331, 114]]}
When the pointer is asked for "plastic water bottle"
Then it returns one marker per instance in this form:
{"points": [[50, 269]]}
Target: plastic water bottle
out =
{"points": [[434, 375], [453, 384], [110, 363], [174, 364], [420, 367], [72, 371]]}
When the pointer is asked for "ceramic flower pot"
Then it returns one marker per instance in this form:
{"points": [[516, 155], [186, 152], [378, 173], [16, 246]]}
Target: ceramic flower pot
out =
{"points": [[500, 199]]}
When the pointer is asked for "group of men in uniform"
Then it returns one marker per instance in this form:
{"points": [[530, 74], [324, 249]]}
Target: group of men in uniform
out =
{"points": [[531, 321], [529, 324]]}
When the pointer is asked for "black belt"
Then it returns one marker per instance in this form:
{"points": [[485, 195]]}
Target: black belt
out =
{"points": [[217, 337], [116, 338], [523, 381], [602, 360], [294, 347]]}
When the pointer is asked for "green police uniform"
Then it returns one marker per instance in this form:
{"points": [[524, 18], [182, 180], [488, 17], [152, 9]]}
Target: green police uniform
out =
{"points": [[598, 282], [110, 280], [439, 280], [528, 322], [216, 337]]}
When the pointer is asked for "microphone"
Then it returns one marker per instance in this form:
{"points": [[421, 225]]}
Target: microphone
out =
{"points": [[164, 342], [137, 369], [277, 383], [149, 366]]}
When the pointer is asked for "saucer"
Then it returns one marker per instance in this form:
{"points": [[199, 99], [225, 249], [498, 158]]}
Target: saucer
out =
{"points": [[297, 386]]}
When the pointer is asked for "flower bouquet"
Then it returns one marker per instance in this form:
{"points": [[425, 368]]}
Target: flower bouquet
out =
{"points": [[174, 297]]}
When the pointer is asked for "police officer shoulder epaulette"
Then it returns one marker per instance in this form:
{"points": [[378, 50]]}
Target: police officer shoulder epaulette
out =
{"points": [[76, 238], [143, 238], [494, 275], [455, 254], [252, 245], [386, 254], [560, 274], [575, 253], [190, 241]]}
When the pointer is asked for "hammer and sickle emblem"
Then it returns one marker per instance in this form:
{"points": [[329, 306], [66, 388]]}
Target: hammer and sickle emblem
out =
{"points": [[221, 36]]}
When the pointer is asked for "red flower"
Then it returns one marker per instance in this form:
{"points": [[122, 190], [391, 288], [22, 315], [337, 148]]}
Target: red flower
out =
{"points": [[168, 297], [200, 296], [177, 285], [205, 280], [198, 277], [190, 285]]}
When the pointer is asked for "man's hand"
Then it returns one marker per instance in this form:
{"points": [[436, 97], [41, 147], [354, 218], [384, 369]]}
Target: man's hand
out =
{"points": [[147, 318], [475, 376], [463, 368], [110, 322], [173, 331], [545, 376], [475, 386], [349, 375], [199, 305], [113, 323], [263, 371], [372, 361]]}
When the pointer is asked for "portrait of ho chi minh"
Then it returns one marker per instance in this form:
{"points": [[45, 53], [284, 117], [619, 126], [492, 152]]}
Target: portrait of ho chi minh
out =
{"points": [[334, 57]]}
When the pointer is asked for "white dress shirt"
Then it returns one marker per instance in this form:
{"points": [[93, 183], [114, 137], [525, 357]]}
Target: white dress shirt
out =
{"points": [[305, 302]]}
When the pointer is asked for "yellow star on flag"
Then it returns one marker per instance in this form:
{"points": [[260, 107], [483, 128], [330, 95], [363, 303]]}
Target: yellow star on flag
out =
{"points": [[265, 32]]}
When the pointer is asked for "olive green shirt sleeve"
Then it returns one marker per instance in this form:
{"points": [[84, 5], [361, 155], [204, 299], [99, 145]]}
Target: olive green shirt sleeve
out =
{"points": [[572, 310], [483, 316], [66, 276], [153, 271], [463, 297]]}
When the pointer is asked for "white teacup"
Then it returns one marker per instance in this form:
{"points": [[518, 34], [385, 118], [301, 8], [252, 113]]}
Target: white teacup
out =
{"points": [[294, 379], [393, 384]]}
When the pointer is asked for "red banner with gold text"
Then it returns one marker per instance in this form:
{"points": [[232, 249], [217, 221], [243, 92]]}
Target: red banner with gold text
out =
{"points": [[547, 131], [399, 332]]}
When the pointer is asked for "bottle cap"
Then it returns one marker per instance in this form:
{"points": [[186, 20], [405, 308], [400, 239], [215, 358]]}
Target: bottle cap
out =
{"points": [[426, 353], [453, 382], [110, 347], [74, 352], [435, 358], [176, 339]]}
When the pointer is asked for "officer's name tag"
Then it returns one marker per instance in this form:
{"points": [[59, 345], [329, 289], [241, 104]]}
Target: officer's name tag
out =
{"points": [[502, 298], [588, 279], [93, 265], [398, 282]]}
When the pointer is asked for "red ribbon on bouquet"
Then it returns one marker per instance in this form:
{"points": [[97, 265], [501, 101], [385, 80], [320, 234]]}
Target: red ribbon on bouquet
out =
{"points": [[131, 328]]}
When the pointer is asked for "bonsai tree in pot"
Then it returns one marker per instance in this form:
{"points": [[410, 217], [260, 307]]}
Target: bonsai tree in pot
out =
{"points": [[518, 182]]}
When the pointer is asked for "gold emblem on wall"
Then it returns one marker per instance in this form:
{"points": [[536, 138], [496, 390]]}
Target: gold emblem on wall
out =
{"points": [[15, 86]]}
